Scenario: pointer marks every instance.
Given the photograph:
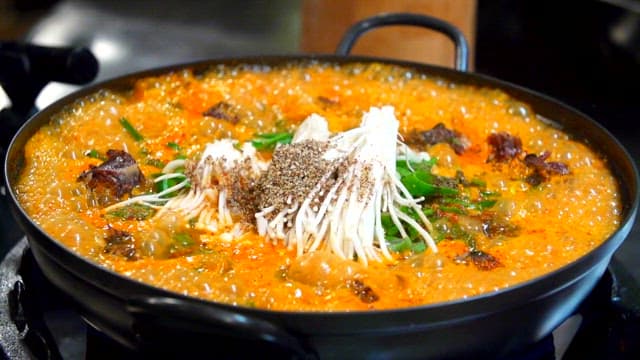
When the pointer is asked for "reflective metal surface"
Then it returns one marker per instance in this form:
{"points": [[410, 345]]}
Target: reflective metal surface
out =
{"points": [[128, 36]]}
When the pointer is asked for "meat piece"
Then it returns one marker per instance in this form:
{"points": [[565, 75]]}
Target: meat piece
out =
{"points": [[362, 291], [536, 178], [440, 134], [482, 260], [223, 111], [327, 101], [120, 243], [504, 147], [542, 168], [115, 177], [493, 226], [540, 162]]}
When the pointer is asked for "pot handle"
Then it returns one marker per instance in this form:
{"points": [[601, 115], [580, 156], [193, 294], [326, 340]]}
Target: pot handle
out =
{"points": [[359, 28], [187, 322], [28, 68]]}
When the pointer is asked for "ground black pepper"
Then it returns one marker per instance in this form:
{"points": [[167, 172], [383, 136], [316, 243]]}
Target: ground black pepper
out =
{"points": [[293, 173]]}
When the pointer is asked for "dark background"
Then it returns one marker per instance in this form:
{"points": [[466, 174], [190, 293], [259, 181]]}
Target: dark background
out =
{"points": [[586, 53]]}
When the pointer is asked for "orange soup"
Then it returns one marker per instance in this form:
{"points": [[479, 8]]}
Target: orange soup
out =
{"points": [[316, 186]]}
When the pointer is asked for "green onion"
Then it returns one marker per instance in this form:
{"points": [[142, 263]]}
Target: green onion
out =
{"points": [[131, 130], [388, 225], [174, 146], [422, 184], [93, 153], [478, 182], [183, 244], [165, 184], [428, 212], [399, 244], [485, 204], [155, 163], [418, 179], [132, 212], [268, 142], [418, 247], [183, 239], [452, 209]]}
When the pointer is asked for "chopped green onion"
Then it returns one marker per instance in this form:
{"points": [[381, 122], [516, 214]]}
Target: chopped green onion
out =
{"points": [[183, 239], [478, 182], [418, 179], [418, 247], [155, 163], [134, 211], [267, 142], [452, 209], [399, 244], [489, 193], [131, 130], [428, 212], [93, 153], [165, 184], [485, 204], [174, 146], [422, 184], [183, 244]]}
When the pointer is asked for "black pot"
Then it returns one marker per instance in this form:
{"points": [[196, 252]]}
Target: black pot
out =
{"points": [[491, 325]]}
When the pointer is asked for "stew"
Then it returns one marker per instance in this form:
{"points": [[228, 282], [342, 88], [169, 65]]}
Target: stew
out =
{"points": [[317, 186]]}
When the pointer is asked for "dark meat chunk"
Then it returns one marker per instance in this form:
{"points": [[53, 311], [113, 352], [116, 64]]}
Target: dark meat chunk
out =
{"points": [[536, 178], [440, 134], [540, 162], [482, 260], [362, 291], [117, 176], [327, 101], [223, 111], [120, 243], [542, 168], [504, 147], [493, 226]]}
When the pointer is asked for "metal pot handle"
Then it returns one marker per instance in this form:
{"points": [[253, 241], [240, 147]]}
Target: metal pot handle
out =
{"points": [[359, 28], [28, 68], [175, 319]]}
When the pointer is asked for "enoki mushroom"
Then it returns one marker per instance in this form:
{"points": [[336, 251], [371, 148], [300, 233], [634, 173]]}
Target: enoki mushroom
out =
{"points": [[323, 192], [342, 211]]}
